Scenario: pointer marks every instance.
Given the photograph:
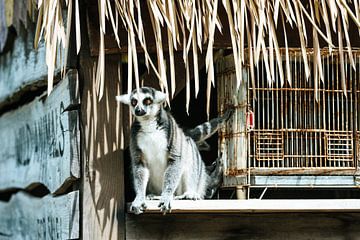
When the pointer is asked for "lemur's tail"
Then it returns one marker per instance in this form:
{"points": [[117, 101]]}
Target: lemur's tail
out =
{"points": [[215, 172], [205, 130]]}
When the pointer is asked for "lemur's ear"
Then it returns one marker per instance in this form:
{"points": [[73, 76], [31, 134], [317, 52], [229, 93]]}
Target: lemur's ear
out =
{"points": [[125, 98], [160, 97]]}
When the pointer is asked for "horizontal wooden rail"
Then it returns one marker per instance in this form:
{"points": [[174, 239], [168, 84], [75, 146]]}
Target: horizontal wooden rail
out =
{"points": [[257, 206]]}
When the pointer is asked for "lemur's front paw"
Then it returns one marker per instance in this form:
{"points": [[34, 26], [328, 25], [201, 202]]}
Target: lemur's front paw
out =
{"points": [[138, 207], [165, 204]]}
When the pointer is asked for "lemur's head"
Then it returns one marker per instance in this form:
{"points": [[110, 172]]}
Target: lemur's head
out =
{"points": [[144, 103]]}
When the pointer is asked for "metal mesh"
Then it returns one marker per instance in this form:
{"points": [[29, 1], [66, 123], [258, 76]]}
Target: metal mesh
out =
{"points": [[293, 129]]}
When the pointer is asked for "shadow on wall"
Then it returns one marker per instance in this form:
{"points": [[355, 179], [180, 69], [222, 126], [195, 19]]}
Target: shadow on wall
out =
{"points": [[103, 200]]}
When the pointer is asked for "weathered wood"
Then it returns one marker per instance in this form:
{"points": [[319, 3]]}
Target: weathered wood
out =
{"points": [[40, 141], [23, 67], [280, 226], [305, 171], [26, 217], [258, 206], [103, 164], [3, 25], [305, 181], [233, 140]]}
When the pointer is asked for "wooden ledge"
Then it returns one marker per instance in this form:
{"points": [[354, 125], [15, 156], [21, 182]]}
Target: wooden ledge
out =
{"points": [[257, 206]]}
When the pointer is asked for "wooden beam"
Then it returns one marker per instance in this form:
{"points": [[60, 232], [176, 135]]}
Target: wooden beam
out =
{"points": [[334, 181], [327, 171], [102, 154], [26, 217], [258, 206], [254, 226], [40, 141]]}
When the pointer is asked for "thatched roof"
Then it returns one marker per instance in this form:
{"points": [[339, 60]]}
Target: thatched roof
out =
{"points": [[191, 24]]}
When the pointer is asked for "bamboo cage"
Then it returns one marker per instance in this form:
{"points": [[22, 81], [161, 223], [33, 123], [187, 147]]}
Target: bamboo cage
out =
{"points": [[306, 129]]}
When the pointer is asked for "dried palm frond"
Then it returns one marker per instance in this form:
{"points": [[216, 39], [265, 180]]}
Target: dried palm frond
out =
{"points": [[50, 26], [193, 24]]}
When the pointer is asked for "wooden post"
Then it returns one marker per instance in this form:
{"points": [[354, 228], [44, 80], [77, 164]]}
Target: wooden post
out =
{"points": [[233, 140], [103, 206]]}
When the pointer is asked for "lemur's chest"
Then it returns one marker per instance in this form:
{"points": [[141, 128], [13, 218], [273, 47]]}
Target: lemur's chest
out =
{"points": [[153, 144], [154, 147]]}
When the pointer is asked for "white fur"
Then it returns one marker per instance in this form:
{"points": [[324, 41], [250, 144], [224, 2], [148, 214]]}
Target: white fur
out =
{"points": [[125, 98], [153, 144]]}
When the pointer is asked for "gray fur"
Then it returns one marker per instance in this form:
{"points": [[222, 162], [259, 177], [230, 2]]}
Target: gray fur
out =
{"points": [[205, 130], [165, 161]]}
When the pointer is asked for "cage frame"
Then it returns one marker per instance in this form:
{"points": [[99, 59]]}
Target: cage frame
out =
{"points": [[324, 177]]}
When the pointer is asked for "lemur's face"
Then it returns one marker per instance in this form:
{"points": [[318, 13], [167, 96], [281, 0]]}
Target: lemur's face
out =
{"points": [[144, 103]]}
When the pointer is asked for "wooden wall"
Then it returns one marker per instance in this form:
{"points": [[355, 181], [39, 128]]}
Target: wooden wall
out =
{"points": [[103, 201], [40, 143], [40, 147], [23, 68], [294, 226]]}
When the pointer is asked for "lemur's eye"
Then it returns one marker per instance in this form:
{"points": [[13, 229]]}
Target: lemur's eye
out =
{"points": [[147, 101], [133, 102]]}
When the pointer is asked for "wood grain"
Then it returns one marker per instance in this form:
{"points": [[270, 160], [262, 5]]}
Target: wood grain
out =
{"points": [[258, 206], [23, 67], [276, 226], [233, 140], [103, 166], [3, 25], [26, 217], [40, 141]]}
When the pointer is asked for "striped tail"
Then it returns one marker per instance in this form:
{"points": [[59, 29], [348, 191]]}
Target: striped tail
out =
{"points": [[205, 130]]}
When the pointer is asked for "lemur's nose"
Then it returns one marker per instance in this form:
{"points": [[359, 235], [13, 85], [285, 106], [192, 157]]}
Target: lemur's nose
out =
{"points": [[139, 112]]}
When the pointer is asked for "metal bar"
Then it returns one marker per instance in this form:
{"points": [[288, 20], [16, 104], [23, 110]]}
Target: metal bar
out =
{"points": [[282, 112], [327, 109], [345, 103], [321, 112], [302, 90], [313, 134], [356, 108], [291, 114], [315, 105], [275, 102], [334, 71]]}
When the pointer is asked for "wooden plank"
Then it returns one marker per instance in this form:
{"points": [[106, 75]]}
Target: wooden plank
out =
{"points": [[26, 217], [3, 26], [40, 141], [305, 181], [251, 226], [327, 171], [102, 152], [23, 67], [258, 206]]}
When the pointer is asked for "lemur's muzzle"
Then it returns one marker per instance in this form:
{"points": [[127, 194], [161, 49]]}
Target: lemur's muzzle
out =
{"points": [[139, 112]]}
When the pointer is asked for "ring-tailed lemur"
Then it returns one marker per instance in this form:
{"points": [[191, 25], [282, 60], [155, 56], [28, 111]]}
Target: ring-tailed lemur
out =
{"points": [[164, 159]]}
